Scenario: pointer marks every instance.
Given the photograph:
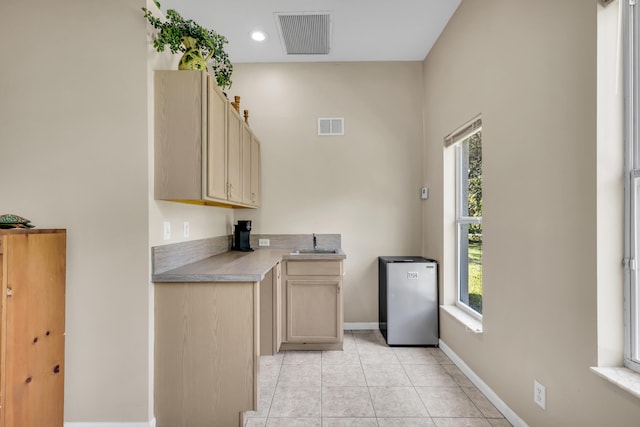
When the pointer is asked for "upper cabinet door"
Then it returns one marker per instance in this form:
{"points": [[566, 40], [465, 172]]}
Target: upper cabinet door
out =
{"points": [[234, 147], [216, 147], [180, 112], [256, 182], [246, 165]]}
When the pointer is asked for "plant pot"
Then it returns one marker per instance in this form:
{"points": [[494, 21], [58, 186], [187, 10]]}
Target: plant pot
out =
{"points": [[192, 58]]}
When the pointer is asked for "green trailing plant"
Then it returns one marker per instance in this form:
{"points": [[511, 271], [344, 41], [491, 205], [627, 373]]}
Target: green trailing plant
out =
{"points": [[198, 44]]}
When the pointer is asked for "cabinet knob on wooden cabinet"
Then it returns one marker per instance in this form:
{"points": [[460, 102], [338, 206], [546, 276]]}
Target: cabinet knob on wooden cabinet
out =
{"points": [[56, 369], [9, 292]]}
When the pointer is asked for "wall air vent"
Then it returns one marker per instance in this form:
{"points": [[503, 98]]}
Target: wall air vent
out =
{"points": [[330, 126], [306, 33]]}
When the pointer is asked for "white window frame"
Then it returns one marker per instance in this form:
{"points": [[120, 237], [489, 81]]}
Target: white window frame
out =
{"points": [[632, 189], [455, 139]]}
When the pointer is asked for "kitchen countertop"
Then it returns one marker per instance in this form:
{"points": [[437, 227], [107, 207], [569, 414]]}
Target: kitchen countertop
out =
{"points": [[235, 266]]}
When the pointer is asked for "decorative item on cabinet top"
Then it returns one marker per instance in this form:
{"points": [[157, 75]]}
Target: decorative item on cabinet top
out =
{"points": [[199, 45], [14, 221]]}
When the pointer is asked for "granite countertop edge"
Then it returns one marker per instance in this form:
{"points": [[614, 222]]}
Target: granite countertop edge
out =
{"points": [[235, 266]]}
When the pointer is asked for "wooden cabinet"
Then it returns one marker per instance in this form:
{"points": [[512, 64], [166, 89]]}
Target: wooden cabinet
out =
{"points": [[313, 309], [32, 326], [234, 160], [206, 352], [256, 172], [251, 193], [270, 312], [198, 141]]}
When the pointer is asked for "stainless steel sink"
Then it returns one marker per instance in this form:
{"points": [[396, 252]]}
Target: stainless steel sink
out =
{"points": [[314, 251]]}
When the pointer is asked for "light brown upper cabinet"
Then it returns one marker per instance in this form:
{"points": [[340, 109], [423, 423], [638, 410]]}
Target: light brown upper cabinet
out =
{"points": [[251, 168], [198, 141], [234, 145], [256, 182]]}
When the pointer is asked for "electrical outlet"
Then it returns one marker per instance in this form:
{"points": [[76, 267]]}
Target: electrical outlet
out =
{"points": [[540, 394], [185, 229], [166, 230], [264, 242]]}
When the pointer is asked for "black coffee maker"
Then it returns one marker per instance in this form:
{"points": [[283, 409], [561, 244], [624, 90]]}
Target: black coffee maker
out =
{"points": [[241, 238]]}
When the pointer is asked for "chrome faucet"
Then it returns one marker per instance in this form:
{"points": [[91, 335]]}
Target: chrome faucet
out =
{"points": [[315, 241]]}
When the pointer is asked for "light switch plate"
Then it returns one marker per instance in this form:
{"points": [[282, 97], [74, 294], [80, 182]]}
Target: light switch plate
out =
{"points": [[166, 228]]}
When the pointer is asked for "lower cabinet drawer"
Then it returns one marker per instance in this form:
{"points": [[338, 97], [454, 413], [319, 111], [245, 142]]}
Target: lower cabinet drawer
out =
{"points": [[314, 268]]}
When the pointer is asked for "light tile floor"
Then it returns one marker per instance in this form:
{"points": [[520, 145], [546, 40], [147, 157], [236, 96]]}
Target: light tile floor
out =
{"points": [[368, 384]]}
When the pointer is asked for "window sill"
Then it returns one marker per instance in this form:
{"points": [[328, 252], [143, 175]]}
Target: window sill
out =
{"points": [[624, 378], [470, 323]]}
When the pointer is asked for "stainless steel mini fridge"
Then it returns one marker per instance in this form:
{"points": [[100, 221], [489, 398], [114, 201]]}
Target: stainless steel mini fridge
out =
{"points": [[408, 300]]}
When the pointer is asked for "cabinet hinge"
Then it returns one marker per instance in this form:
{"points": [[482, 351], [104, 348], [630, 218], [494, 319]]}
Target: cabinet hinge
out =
{"points": [[632, 2]]}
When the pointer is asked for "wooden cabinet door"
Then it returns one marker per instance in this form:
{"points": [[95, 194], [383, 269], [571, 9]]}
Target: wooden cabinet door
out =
{"points": [[179, 122], [270, 312], [277, 283], [33, 329], [234, 158], [256, 181], [314, 310], [216, 146], [247, 156]]}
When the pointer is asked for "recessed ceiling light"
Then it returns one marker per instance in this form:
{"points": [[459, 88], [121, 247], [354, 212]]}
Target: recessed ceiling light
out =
{"points": [[259, 36]]}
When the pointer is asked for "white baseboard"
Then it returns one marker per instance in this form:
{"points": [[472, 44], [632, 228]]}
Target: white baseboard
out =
{"points": [[150, 423], [356, 326], [484, 388]]}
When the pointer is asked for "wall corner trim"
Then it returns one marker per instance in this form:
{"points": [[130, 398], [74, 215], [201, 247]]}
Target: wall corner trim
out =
{"points": [[508, 413]]}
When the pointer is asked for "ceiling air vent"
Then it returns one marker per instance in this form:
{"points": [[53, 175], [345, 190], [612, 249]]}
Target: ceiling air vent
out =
{"points": [[330, 125], [307, 33]]}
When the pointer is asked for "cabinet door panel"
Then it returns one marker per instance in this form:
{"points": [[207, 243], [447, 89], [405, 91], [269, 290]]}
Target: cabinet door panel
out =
{"points": [[246, 165], [314, 309], [234, 158], [255, 185], [216, 147], [179, 133], [34, 363], [314, 268]]}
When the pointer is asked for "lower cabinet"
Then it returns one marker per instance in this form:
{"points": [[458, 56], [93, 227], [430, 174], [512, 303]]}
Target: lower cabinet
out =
{"points": [[312, 305], [270, 312], [32, 327], [206, 352]]}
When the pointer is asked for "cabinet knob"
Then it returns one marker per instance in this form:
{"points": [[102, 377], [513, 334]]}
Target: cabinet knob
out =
{"points": [[9, 292]]}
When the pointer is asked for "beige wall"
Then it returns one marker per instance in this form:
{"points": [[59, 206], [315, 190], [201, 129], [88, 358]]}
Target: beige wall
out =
{"points": [[73, 134], [529, 67], [364, 185]]}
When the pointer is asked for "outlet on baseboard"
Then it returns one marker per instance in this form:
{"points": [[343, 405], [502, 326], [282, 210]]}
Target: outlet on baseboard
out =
{"points": [[264, 242], [540, 394]]}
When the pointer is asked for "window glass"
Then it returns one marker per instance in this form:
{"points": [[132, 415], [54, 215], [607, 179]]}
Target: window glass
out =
{"points": [[469, 223]]}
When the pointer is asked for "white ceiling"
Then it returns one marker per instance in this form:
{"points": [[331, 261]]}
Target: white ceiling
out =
{"points": [[362, 30]]}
